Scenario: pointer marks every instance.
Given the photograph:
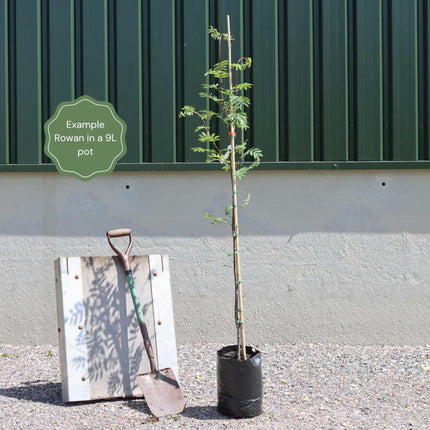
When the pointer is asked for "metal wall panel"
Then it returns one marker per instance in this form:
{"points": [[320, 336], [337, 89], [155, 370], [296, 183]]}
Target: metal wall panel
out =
{"points": [[368, 79], [404, 80], [4, 83], [333, 80]]}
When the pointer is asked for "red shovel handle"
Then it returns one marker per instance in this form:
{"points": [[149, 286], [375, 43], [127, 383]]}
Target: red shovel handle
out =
{"points": [[123, 256]]}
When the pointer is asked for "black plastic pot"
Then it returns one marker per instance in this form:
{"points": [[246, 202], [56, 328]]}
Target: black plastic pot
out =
{"points": [[240, 383]]}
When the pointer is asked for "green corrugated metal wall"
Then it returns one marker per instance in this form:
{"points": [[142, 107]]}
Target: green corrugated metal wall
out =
{"points": [[334, 80]]}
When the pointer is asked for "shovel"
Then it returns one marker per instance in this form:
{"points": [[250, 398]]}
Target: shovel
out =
{"points": [[160, 387]]}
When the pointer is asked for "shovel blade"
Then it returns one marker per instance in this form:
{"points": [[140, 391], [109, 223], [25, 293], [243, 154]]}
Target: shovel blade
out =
{"points": [[162, 392]]}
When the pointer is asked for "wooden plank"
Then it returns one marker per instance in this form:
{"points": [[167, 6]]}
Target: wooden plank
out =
{"points": [[28, 82], [128, 81], [116, 354], [265, 78], [60, 269], [4, 83], [162, 65], [94, 49], [72, 331], [334, 80], [404, 85], [99, 334], [369, 127], [163, 313], [300, 80], [195, 64], [61, 85]]}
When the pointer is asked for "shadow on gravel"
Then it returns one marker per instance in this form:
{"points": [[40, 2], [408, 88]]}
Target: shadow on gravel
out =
{"points": [[36, 391], [196, 412], [139, 405], [203, 413]]}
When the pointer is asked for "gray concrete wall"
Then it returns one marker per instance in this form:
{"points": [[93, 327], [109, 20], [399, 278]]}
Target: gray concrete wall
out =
{"points": [[327, 256]]}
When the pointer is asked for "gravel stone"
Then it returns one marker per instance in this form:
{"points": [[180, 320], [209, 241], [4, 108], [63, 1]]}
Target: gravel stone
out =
{"points": [[306, 386]]}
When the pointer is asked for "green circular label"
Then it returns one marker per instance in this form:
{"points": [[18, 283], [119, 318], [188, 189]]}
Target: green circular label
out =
{"points": [[85, 138]]}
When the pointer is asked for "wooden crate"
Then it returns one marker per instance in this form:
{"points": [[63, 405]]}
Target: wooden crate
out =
{"points": [[101, 347]]}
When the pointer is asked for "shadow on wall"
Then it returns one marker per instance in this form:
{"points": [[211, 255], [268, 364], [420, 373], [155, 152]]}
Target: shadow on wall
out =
{"points": [[172, 204]]}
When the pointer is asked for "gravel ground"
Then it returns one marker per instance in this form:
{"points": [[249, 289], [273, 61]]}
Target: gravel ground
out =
{"points": [[305, 387]]}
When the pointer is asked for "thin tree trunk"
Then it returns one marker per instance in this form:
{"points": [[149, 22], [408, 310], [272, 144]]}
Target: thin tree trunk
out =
{"points": [[240, 323]]}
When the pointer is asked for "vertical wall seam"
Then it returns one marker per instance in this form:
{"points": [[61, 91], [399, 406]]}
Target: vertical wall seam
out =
{"points": [[179, 78], [207, 39], [425, 72], [140, 78], [12, 83], [311, 81], [45, 78], [106, 48], [78, 49], [146, 55], [174, 93], [249, 73], [72, 49], [111, 54], [242, 52], [39, 80], [276, 29], [282, 82], [386, 28], [381, 82], [419, 88], [6, 81], [213, 20]]}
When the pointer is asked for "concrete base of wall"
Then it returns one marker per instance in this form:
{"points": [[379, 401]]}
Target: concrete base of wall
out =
{"points": [[327, 256]]}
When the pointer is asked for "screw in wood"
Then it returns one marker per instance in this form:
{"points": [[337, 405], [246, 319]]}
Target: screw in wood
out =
{"points": [[83, 378], [80, 327], [76, 276], [155, 274], [159, 322]]}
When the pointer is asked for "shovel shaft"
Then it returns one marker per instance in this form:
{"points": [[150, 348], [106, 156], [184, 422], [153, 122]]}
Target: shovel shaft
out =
{"points": [[140, 318]]}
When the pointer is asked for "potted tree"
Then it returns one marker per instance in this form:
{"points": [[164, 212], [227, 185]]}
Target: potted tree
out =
{"points": [[239, 375]]}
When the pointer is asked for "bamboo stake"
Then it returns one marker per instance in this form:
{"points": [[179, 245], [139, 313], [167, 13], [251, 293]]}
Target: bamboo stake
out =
{"points": [[240, 323]]}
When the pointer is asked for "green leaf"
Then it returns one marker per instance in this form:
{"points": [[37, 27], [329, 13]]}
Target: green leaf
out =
{"points": [[199, 149], [208, 137], [244, 86], [239, 102], [240, 173], [210, 86], [245, 202], [238, 119], [187, 111], [214, 33], [200, 127], [230, 109], [256, 153], [216, 220]]}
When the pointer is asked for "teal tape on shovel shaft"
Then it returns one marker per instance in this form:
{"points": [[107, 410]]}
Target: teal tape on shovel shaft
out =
{"points": [[135, 298]]}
